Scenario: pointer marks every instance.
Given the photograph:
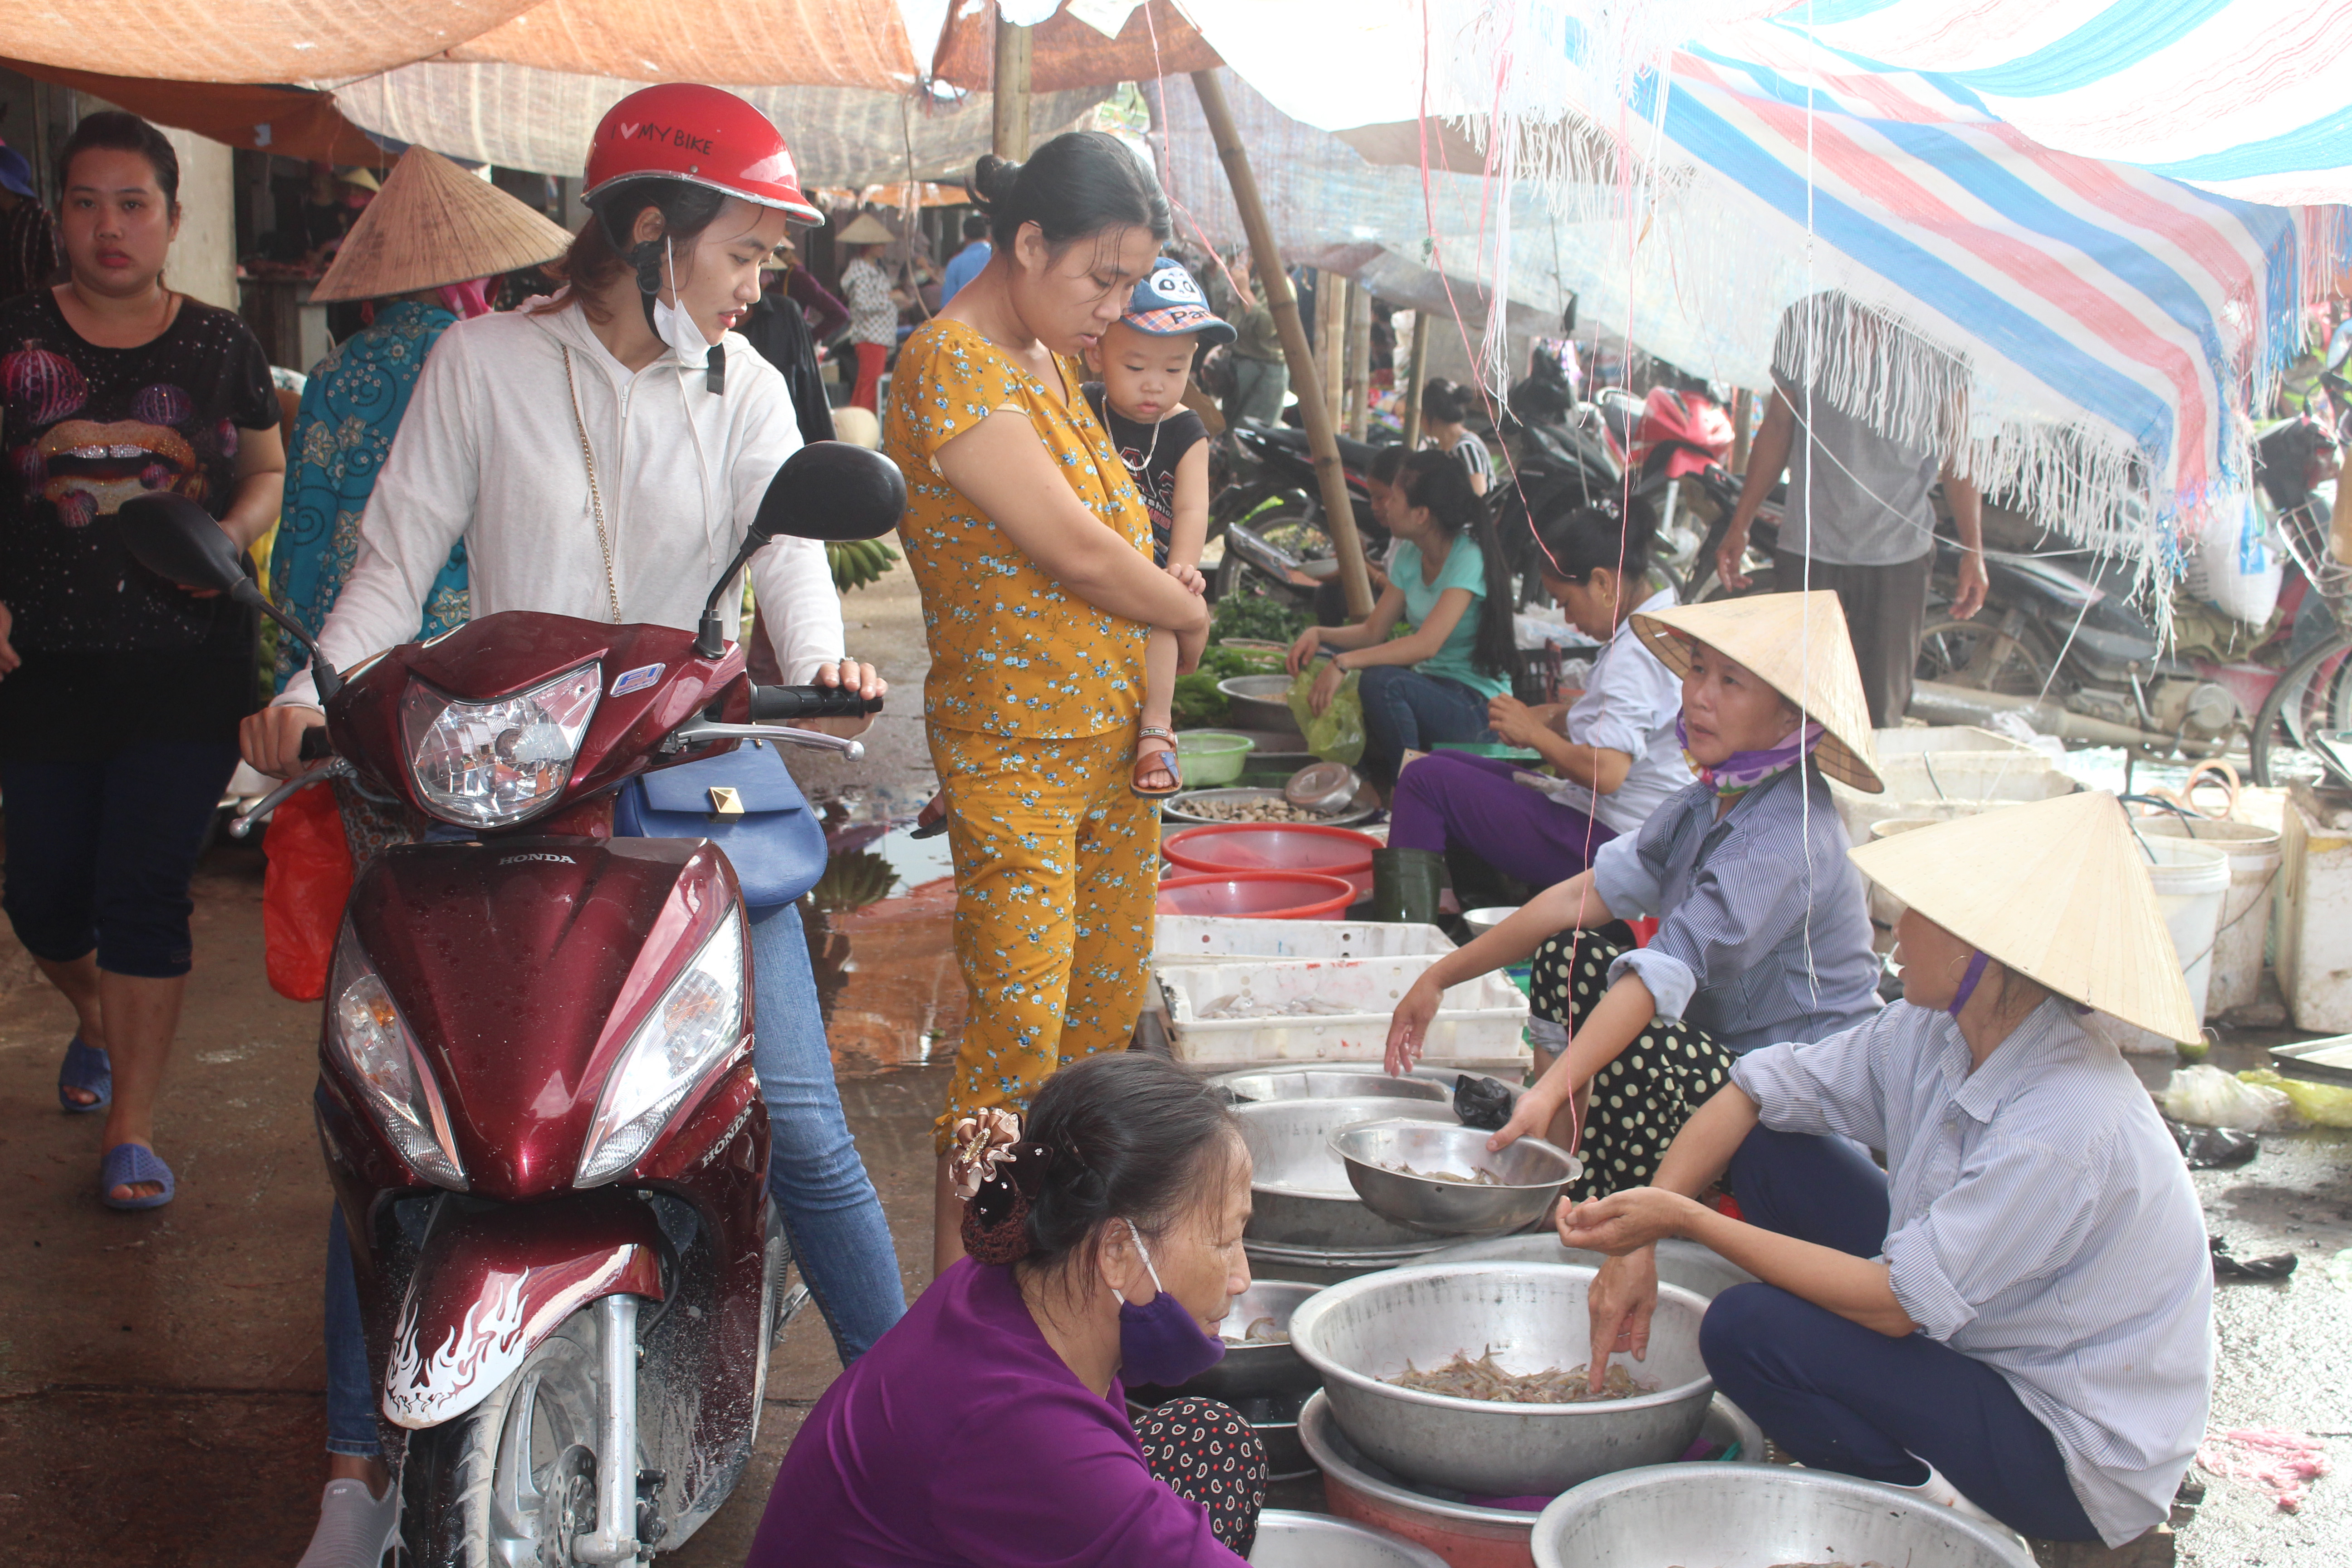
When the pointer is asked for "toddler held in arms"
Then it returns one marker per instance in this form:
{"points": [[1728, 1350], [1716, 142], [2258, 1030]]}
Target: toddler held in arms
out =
{"points": [[1143, 360]]}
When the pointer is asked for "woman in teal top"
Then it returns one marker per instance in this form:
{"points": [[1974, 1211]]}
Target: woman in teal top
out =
{"points": [[1447, 579], [351, 407]]}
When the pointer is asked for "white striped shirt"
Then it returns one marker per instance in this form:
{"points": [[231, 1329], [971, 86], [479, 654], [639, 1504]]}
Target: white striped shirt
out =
{"points": [[2042, 1222]]}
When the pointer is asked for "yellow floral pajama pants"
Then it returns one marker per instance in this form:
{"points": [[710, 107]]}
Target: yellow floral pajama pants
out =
{"points": [[1056, 870]]}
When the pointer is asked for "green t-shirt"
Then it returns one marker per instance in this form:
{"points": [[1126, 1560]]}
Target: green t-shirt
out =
{"points": [[1466, 567]]}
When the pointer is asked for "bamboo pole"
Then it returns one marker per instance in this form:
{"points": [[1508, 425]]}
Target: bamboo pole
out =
{"points": [[1010, 87], [1338, 513], [1357, 396], [1331, 341], [1743, 409], [1416, 372]]}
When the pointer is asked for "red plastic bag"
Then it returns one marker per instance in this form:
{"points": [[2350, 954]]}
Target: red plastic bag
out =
{"points": [[304, 891]]}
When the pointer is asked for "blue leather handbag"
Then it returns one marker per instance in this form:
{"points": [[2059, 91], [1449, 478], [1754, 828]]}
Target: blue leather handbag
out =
{"points": [[746, 803]]}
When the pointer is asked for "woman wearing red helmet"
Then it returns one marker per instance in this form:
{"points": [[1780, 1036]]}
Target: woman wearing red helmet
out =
{"points": [[601, 454]]}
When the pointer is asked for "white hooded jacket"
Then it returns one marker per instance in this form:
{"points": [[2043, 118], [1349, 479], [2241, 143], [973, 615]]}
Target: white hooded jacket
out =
{"points": [[489, 453]]}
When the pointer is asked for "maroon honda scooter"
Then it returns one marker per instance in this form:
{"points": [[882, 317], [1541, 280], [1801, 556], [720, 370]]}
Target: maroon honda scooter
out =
{"points": [[536, 1094]]}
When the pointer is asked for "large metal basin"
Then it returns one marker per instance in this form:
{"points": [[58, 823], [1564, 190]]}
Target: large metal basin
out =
{"points": [[1531, 1316], [1695, 1267], [1290, 1540], [1247, 1371], [1465, 1534], [1740, 1516], [1336, 1082], [1298, 1189], [1530, 1171]]}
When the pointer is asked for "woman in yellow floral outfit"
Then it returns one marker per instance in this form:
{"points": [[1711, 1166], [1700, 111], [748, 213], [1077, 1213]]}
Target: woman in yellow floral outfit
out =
{"points": [[1033, 550]]}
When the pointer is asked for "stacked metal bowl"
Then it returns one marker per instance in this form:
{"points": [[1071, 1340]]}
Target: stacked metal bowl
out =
{"points": [[1531, 1317]]}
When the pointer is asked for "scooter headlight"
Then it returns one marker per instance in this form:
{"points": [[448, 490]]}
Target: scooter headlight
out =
{"points": [[694, 1031], [488, 764], [367, 1031]]}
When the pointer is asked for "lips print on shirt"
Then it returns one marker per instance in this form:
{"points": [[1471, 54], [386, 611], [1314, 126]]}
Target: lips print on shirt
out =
{"points": [[90, 468]]}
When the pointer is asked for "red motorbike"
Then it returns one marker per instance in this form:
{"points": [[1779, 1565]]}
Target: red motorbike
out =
{"points": [[536, 1094]]}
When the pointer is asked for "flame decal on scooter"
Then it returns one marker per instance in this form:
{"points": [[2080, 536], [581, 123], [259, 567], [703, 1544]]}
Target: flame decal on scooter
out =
{"points": [[418, 1386], [513, 1314]]}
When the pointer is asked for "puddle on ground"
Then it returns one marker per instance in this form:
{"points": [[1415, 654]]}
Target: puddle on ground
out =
{"points": [[881, 935]]}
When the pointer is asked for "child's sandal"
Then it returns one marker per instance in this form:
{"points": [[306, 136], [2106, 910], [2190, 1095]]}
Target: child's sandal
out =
{"points": [[1163, 763]]}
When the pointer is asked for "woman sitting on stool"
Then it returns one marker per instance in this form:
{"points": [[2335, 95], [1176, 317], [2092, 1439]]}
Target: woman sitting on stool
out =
{"points": [[1614, 748], [989, 1425], [1447, 577], [2014, 1317], [1763, 933]]}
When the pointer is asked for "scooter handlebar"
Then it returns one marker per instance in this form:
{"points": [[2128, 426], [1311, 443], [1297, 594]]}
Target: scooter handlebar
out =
{"points": [[316, 747], [782, 704]]}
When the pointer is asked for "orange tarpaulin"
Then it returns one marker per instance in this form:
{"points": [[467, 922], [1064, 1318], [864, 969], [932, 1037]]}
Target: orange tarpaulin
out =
{"points": [[286, 121], [835, 43], [1064, 52]]}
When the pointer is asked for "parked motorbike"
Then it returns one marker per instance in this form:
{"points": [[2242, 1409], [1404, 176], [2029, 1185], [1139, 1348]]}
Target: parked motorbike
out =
{"points": [[536, 1093], [1270, 515]]}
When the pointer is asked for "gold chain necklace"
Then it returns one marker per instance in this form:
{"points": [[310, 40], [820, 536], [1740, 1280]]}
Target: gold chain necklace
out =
{"points": [[596, 497]]}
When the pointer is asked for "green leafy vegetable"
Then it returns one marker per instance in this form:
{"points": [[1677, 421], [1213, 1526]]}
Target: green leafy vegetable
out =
{"points": [[1197, 702], [1247, 613]]}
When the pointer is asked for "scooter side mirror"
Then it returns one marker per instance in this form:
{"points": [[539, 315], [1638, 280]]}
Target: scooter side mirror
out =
{"points": [[832, 490], [178, 541]]}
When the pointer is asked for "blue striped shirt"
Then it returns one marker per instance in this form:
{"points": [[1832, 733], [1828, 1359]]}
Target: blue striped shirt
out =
{"points": [[2042, 1222], [1763, 931]]}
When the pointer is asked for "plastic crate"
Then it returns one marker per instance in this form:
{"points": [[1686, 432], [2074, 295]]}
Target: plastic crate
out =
{"points": [[1212, 939], [1478, 1023]]}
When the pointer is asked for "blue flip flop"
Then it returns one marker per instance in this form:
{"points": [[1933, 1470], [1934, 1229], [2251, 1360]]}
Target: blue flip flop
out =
{"points": [[85, 1067], [128, 1164]]}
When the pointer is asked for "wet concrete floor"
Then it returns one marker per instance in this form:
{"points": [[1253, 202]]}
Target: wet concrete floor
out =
{"points": [[160, 1376]]}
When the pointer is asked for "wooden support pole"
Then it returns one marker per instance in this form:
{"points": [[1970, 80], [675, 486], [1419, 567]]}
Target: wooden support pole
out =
{"points": [[1416, 372], [1358, 396], [1339, 515], [1010, 87], [1743, 413], [1331, 339]]}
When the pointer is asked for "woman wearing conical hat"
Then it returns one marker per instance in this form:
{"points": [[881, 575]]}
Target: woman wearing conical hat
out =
{"points": [[1763, 933], [2014, 1317]]}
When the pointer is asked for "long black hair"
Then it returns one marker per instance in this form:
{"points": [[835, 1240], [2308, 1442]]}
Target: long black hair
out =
{"points": [[1434, 481], [1126, 1136], [1072, 187], [115, 130], [606, 245], [1443, 402], [1598, 535]]}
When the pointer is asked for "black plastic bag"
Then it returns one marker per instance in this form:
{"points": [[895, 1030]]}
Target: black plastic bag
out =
{"points": [[2226, 1268], [2213, 1148], [1481, 1102]]}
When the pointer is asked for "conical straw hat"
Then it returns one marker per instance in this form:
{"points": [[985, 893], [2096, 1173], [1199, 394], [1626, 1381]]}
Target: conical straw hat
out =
{"points": [[1797, 644], [865, 229], [2059, 891], [433, 223]]}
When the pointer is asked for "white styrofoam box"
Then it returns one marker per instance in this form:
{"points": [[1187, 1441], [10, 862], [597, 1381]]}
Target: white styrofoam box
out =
{"points": [[1986, 779], [1913, 739], [2315, 913], [1479, 1021], [1211, 939]]}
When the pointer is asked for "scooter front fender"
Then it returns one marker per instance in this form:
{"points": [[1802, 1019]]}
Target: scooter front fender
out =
{"points": [[490, 1286]]}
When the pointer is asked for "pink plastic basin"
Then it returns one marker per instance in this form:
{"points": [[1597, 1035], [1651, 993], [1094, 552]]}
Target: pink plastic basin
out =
{"points": [[1261, 895], [1276, 846]]}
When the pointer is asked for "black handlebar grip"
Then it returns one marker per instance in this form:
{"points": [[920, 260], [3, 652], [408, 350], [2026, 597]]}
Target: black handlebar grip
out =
{"points": [[783, 704], [316, 747]]}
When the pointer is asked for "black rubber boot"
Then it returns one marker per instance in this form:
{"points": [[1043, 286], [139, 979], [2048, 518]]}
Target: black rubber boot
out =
{"points": [[1405, 885]]}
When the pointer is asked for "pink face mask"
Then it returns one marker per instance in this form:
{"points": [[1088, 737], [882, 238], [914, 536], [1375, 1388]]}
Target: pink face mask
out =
{"points": [[469, 300]]}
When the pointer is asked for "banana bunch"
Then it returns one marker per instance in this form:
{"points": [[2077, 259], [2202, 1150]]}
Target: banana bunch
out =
{"points": [[853, 880], [858, 562]]}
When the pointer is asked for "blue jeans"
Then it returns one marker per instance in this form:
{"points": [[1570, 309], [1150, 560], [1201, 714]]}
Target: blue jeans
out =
{"points": [[1841, 1397], [830, 1211], [1405, 710]]}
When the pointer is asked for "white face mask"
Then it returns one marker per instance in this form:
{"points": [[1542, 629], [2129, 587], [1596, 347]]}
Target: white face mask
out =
{"points": [[676, 327]]}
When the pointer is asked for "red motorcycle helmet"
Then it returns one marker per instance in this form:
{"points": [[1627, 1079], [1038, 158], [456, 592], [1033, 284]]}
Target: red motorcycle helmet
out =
{"points": [[703, 135]]}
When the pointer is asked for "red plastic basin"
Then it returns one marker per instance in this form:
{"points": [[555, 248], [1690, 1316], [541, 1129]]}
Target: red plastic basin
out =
{"points": [[1276, 846], [1260, 895]]}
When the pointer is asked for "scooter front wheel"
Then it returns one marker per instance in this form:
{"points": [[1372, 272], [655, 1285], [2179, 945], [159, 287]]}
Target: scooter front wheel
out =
{"points": [[512, 1482]]}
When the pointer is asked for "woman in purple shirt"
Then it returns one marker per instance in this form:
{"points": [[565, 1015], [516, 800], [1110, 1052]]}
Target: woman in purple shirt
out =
{"points": [[989, 1425]]}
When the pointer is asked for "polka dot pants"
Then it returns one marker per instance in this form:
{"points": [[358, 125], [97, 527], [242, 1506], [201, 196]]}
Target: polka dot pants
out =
{"points": [[1642, 1099], [1203, 1450]]}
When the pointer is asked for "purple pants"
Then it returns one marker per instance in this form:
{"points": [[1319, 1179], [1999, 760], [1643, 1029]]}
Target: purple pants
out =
{"points": [[1454, 799]]}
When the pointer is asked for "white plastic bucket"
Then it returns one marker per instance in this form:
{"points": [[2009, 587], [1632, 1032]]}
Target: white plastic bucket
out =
{"points": [[2191, 881], [2254, 855]]}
